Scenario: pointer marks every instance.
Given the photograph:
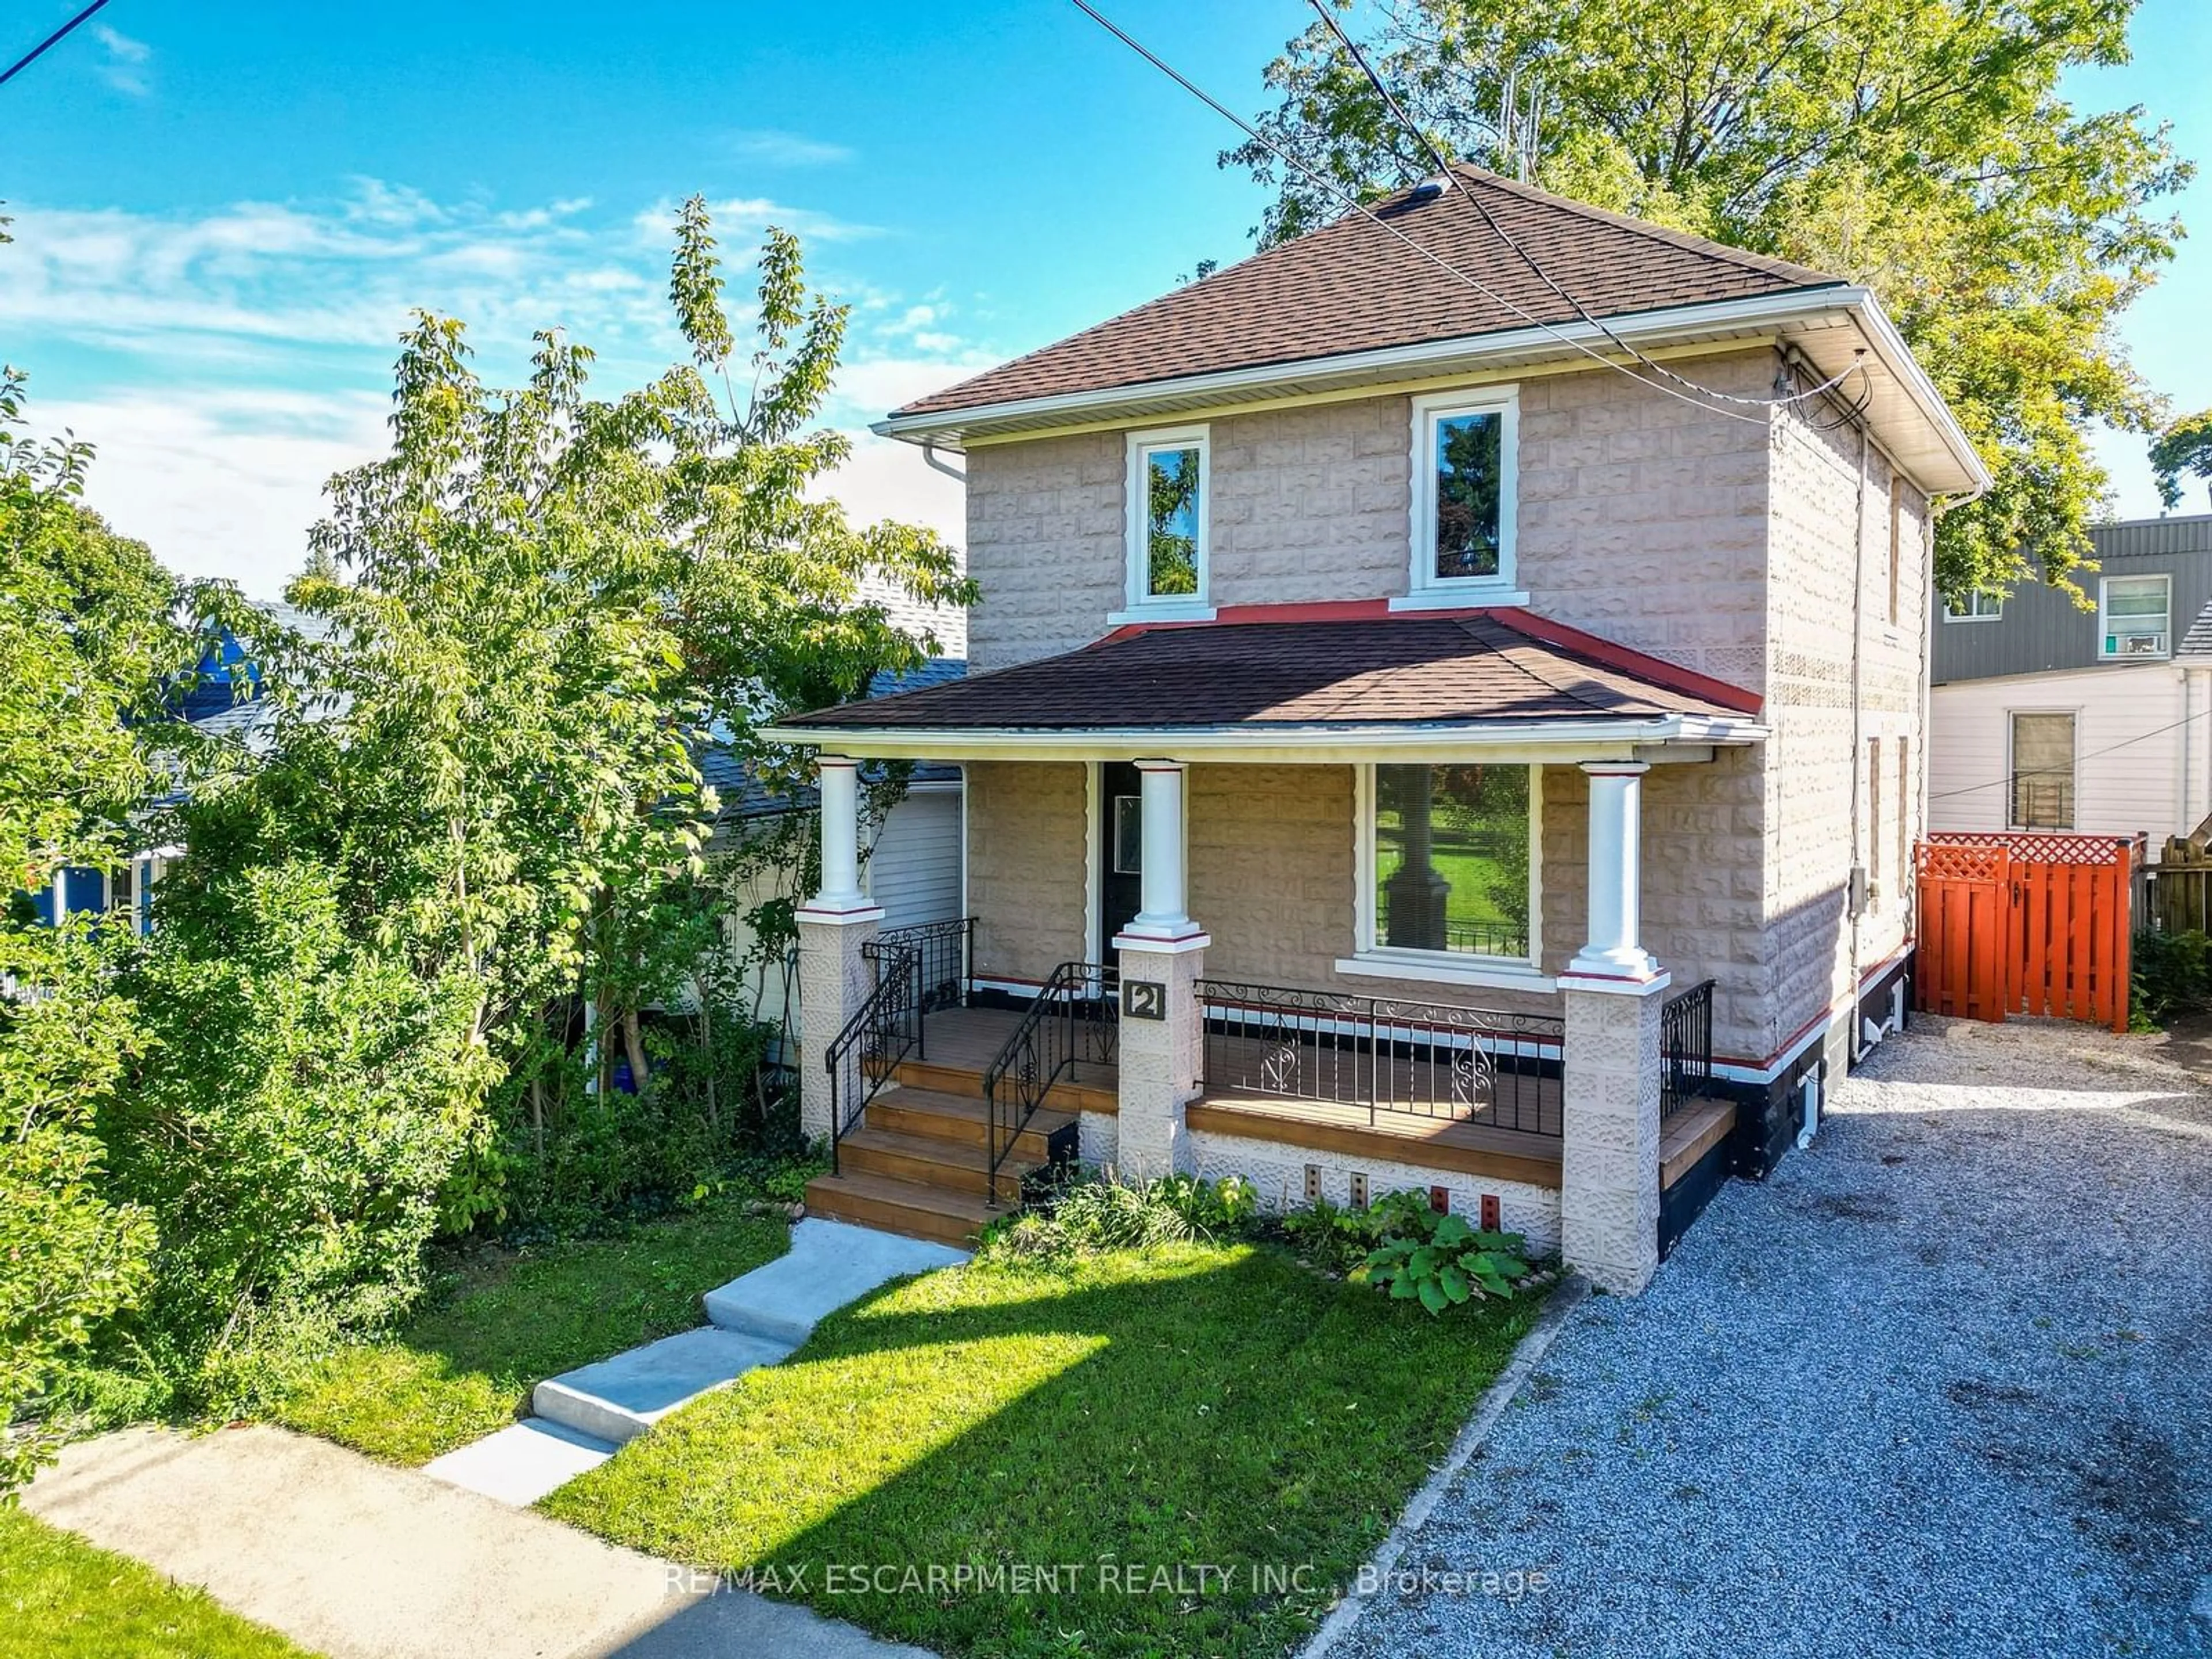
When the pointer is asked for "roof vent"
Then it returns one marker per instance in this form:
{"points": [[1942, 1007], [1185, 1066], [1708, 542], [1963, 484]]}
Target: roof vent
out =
{"points": [[1429, 189]]}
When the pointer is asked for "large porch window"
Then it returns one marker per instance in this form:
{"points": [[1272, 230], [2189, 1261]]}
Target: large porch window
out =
{"points": [[1447, 872]]}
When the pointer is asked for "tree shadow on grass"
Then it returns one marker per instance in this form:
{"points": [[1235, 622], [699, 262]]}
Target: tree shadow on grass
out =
{"points": [[1084, 1438]]}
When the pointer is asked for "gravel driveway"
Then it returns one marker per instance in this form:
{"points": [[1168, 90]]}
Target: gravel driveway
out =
{"points": [[1943, 1385]]}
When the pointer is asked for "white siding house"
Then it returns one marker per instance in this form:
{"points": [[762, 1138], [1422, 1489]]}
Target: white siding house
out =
{"points": [[2103, 750], [2047, 714]]}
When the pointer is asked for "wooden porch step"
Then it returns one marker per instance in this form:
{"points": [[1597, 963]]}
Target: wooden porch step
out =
{"points": [[931, 1160], [962, 1120], [900, 1207], [950, 1077]]}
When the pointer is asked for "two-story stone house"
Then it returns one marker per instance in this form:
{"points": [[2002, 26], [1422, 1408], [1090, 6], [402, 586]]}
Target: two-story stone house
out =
{"points": [[1418, 720]]}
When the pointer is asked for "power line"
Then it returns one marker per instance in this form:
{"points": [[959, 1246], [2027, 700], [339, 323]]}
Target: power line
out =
{"points": [[2094, 754], [1384, 225], [38, 50], [1453, 179]]}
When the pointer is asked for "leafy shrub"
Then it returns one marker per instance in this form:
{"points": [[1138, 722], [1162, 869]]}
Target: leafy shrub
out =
{"points": [[1098, 1210], [2172, 976], [1332, 1238], [302, 1102], [1216, 1210], [1443, 1262], [1405, 1248]]}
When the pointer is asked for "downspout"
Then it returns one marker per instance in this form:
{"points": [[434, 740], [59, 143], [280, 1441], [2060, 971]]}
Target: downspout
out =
{"points": [[1859, 882], [929, 454]]}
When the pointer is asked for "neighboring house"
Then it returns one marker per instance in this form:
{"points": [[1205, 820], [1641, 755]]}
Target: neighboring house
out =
{"points": [[2049, 716], [222, 701], [912, 869], [1384, 721]]}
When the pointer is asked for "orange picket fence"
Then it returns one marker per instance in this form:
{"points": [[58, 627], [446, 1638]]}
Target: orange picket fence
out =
{"points": [[2027, 924]]}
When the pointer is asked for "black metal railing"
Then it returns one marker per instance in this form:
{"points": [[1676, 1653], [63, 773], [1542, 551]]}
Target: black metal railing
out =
{"points": [[1686, 1048], [1074, 1022], [887, 1028], [1475, 939], [1428, 1060], [945, 965]]}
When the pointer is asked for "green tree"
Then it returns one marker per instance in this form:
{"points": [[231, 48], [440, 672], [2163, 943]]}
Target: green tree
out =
{"points": [[89, 645], [530, 616], [2185, 446], [1920, 146]]}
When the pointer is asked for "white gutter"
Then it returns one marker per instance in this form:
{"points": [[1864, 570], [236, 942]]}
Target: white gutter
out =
{"points": [[1613, 739], [1653, 328]]}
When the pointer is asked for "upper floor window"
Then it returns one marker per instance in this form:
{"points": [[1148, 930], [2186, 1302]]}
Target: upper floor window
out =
{"points": [[2133, 616], [1168, 488], [1466, 450], [1977, 606]]}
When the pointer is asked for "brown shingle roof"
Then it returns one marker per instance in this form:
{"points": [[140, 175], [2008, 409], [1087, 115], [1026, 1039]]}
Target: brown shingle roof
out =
{"points": [[1464, 668], [1351, 286]]}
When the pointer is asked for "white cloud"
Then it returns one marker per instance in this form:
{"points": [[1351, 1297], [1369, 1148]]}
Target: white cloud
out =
{"points": [[341, 274], [885, 479], [739, 220], [870, 387], [241, 353], [775, 148], [220, 484], [125, 65]]}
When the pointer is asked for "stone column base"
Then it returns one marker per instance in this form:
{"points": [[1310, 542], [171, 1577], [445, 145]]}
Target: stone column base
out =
{"points": [[1609, 1160], [1162, 1041], [834, 980]]}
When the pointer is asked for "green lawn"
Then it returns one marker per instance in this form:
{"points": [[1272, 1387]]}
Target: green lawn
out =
{"points": [[1221, 1408], [459, 1369], [60, 1598]]}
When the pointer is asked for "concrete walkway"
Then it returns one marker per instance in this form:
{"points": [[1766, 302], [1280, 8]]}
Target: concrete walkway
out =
{"points": [[359, 1561], [756, 1319]]}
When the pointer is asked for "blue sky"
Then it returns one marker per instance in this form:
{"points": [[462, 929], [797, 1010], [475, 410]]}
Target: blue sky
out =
{"points": [[224, 213]]}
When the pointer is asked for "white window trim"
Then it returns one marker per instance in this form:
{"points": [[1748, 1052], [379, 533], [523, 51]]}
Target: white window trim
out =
{"points": [[1997, 615], [1425, 589], [1138, 604], [1442, 967], [2012, 770], [2103, 629]]}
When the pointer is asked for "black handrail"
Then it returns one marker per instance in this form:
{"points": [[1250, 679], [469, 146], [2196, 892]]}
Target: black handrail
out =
{"points": [[884, 1030], [1073, 1022], [1686, 1048], [1387, 1054], [944, 967]]}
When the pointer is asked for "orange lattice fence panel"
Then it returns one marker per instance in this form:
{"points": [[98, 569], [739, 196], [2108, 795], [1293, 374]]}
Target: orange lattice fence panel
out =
{"points": [[1966, 926], [2061, 935]]}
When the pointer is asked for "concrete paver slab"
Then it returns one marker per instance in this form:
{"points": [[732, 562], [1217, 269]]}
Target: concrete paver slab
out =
{"points": [[829, 1264]]}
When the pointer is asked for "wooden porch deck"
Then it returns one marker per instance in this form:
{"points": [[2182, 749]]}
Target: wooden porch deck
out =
{"points": [[966, 1040]]}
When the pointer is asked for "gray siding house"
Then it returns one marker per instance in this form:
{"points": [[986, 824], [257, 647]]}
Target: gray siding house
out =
{"points": [[2049, 716]]}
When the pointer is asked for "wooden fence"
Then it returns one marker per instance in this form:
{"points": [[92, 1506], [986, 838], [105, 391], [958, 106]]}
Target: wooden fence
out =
{"points": [[2027, 924], [2179, 888]]}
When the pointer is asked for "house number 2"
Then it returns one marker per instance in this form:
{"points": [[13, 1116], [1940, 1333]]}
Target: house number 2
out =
{"points": [[1144, 999]]}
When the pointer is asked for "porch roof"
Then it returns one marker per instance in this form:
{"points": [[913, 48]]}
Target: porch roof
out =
{"points": [[1324, 677]]}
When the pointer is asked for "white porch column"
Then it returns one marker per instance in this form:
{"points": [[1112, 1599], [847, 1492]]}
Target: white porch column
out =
{"points": [[838, 781], [834, 978], [1614, 949], [1613, 990], [1163, 954]]}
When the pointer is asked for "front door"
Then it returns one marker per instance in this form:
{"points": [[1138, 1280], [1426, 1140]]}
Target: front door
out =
{"points": [[1120, 847]]}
